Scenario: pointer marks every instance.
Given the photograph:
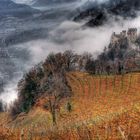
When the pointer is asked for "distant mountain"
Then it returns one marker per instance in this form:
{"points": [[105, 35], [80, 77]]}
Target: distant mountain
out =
{"points": [[97, 14], [9, 8], [49, 2]]}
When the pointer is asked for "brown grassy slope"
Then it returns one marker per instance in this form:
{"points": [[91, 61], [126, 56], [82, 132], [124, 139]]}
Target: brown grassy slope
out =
{"points": [[103, 107], [103, 95]]}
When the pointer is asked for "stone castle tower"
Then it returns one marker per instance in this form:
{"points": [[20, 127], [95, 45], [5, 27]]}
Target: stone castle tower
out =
{"points": [[131, 35]]}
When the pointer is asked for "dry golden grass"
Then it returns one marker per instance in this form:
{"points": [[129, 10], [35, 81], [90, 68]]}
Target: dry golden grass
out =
{"points": [[101, 95], [103, 108]]}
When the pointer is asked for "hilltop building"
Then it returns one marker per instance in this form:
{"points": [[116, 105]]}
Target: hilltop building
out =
{"points": [[131, 35]]}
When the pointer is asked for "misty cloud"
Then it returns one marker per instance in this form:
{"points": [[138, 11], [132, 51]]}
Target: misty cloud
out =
{"points": [[73, 36], [10, 93]]}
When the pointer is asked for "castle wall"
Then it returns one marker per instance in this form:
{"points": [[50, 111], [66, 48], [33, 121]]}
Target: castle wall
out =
{"points": [[131, 34]]}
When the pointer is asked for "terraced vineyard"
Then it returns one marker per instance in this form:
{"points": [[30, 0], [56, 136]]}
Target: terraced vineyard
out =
{"points": [[104, 98], [103, 107], [93, 86]]}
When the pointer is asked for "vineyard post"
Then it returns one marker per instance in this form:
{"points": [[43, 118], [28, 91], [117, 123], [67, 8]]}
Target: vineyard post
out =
{"points": [[100, 84], [106, 84]]}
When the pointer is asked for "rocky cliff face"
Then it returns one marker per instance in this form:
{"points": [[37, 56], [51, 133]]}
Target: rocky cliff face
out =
{"points": [[99, 14], [9, 8], [50, 2]]}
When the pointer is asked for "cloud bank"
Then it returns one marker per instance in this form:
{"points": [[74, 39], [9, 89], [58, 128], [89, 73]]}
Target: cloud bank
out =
{"points": [[74, 36]]}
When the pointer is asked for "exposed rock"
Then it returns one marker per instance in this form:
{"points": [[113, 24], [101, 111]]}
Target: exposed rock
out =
{"points": [[49, 2], [98, 15], [9, 8]]}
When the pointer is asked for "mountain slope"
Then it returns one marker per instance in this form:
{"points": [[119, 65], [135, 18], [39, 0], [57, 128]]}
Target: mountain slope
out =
{"points": [[50, 2], [98, 14], [9, 8]]}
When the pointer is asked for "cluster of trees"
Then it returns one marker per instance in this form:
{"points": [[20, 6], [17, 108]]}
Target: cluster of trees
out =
{"points": [[104, 65], [47, 78], [117, 58]]}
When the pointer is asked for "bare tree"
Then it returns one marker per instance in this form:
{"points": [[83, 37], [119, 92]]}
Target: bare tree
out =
{"points": [[57, 91], [1, 106]]}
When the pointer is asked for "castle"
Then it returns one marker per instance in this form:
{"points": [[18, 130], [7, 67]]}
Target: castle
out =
{"points": [[131, 35]]}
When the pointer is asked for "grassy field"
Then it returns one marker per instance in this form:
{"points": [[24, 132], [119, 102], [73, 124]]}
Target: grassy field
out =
{"points": [[103, 108]]}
